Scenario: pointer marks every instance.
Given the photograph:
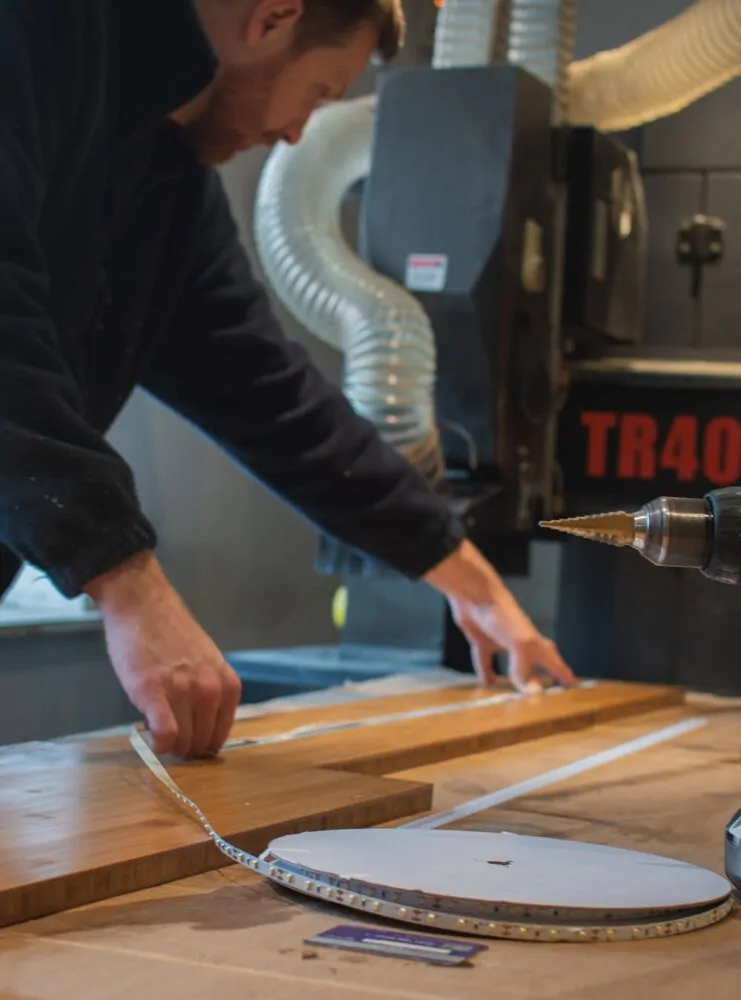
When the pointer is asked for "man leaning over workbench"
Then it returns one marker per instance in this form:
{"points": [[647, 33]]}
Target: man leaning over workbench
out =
{"points": [[120, 266]]}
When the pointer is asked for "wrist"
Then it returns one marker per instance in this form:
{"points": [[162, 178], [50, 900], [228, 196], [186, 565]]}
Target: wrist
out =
{"points": [[131, 583], [466, 576]]}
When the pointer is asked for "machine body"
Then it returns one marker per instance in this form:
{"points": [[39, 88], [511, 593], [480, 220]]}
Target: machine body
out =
{"points": [[522, 241], [576, 372], [733, 851], [507, 229], [525, 243]]}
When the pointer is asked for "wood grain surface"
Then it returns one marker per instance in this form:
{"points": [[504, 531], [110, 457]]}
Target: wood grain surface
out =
{"points": [[84, 820], [231, 934]]}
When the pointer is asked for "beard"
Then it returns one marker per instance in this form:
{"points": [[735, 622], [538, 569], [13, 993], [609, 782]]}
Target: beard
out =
{"points": [[232, 119]]}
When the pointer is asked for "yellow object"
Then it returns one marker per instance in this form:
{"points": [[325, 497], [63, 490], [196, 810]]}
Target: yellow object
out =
{"points": [[339, 608]]}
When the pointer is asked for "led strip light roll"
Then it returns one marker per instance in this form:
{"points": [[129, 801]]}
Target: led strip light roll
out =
{"points": [[464, 916]]}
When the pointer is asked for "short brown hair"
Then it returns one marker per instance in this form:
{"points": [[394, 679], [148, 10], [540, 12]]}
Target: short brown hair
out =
{"points": [[329, 21]]}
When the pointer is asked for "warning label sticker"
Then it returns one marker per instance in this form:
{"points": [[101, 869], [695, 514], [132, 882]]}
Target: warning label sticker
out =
{"points": [[426, 272]]}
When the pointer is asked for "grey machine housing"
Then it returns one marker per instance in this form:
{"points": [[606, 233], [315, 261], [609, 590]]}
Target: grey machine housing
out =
{"points": [[733, 851]]}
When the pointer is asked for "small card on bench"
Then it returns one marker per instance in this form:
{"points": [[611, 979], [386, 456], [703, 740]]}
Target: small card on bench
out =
{"points": [[397, 944]]}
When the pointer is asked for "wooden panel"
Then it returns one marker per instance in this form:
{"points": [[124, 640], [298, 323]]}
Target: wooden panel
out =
{"points": [[604, 697], [79, 825], [84, 821], [412, 743], [231, 934]]}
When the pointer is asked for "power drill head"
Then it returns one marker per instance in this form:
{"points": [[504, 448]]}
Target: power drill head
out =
{"points": [[616, 528], [669, 531]]}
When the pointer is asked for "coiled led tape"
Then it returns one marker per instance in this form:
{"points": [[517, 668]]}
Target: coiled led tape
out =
{"points": [[480, 918]]}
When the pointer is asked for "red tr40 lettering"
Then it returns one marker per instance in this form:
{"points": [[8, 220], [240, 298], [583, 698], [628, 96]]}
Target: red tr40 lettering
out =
{"points": [[687, 450]]}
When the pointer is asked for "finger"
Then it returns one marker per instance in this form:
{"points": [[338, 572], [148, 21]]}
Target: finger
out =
{"points": [[206, 698], [161, 723], [182, 709], [553, 663], [521, 673], [483, 651], [231, 697]]}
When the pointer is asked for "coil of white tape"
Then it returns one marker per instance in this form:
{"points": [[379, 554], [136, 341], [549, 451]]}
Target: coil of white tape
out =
{"points": [[405, 907]]}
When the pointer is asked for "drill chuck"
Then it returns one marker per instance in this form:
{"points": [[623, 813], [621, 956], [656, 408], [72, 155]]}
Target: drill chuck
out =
{"points": [[686, 533]]}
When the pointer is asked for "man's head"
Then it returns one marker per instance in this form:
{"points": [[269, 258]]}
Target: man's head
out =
{"points": [[278, 61]]}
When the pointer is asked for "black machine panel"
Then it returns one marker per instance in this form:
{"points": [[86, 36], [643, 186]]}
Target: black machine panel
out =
{"points": [[624, 442], [462, 206], [618, 614], [625, 439], [459, 208], [622, 617], [720, 282], [704, 136], [606, 240], [672, 311]]}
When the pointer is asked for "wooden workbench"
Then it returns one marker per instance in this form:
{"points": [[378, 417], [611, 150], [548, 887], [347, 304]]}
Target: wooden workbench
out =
{"points": [[229, 934]]}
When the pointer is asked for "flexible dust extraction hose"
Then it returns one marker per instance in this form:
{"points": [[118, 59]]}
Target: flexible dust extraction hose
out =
{"points": [[535, 34], [465, 33], [661, 72], [383, 331]]}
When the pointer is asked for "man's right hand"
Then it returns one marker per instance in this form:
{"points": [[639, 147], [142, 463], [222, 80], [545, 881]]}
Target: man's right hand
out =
{"points": [[170, 669]]}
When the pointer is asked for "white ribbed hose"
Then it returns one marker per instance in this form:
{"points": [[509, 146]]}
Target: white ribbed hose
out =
{"points": [[383, 331], [465, 33], [661, 72], [537, 35]]}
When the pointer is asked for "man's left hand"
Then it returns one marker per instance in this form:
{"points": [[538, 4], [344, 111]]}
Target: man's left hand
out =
{"points": [[493, 622]]}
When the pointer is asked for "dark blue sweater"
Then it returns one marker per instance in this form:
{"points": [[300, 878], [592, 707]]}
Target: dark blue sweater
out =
{"points": [[120, 266]]}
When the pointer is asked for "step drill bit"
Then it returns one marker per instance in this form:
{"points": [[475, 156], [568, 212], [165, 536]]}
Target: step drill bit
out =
{"points": [[669, 531]]}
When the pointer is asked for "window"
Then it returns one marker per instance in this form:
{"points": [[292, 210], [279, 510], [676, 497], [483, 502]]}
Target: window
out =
{"points": [[33, 600]]}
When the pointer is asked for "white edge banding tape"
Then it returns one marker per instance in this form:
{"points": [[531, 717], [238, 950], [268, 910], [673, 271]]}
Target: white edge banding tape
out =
{"points": [[530, 785], [326, 728]]}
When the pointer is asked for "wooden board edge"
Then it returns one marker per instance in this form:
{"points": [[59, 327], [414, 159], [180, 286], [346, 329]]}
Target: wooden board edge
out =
{"points": [[19, 905], [389, 762]]}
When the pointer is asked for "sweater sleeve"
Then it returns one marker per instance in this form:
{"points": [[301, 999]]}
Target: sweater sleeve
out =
{"points": [[67, 500], [227, 366]]}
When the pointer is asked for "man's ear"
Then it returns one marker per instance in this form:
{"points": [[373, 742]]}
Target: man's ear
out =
{"points": [[270, 19]]}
